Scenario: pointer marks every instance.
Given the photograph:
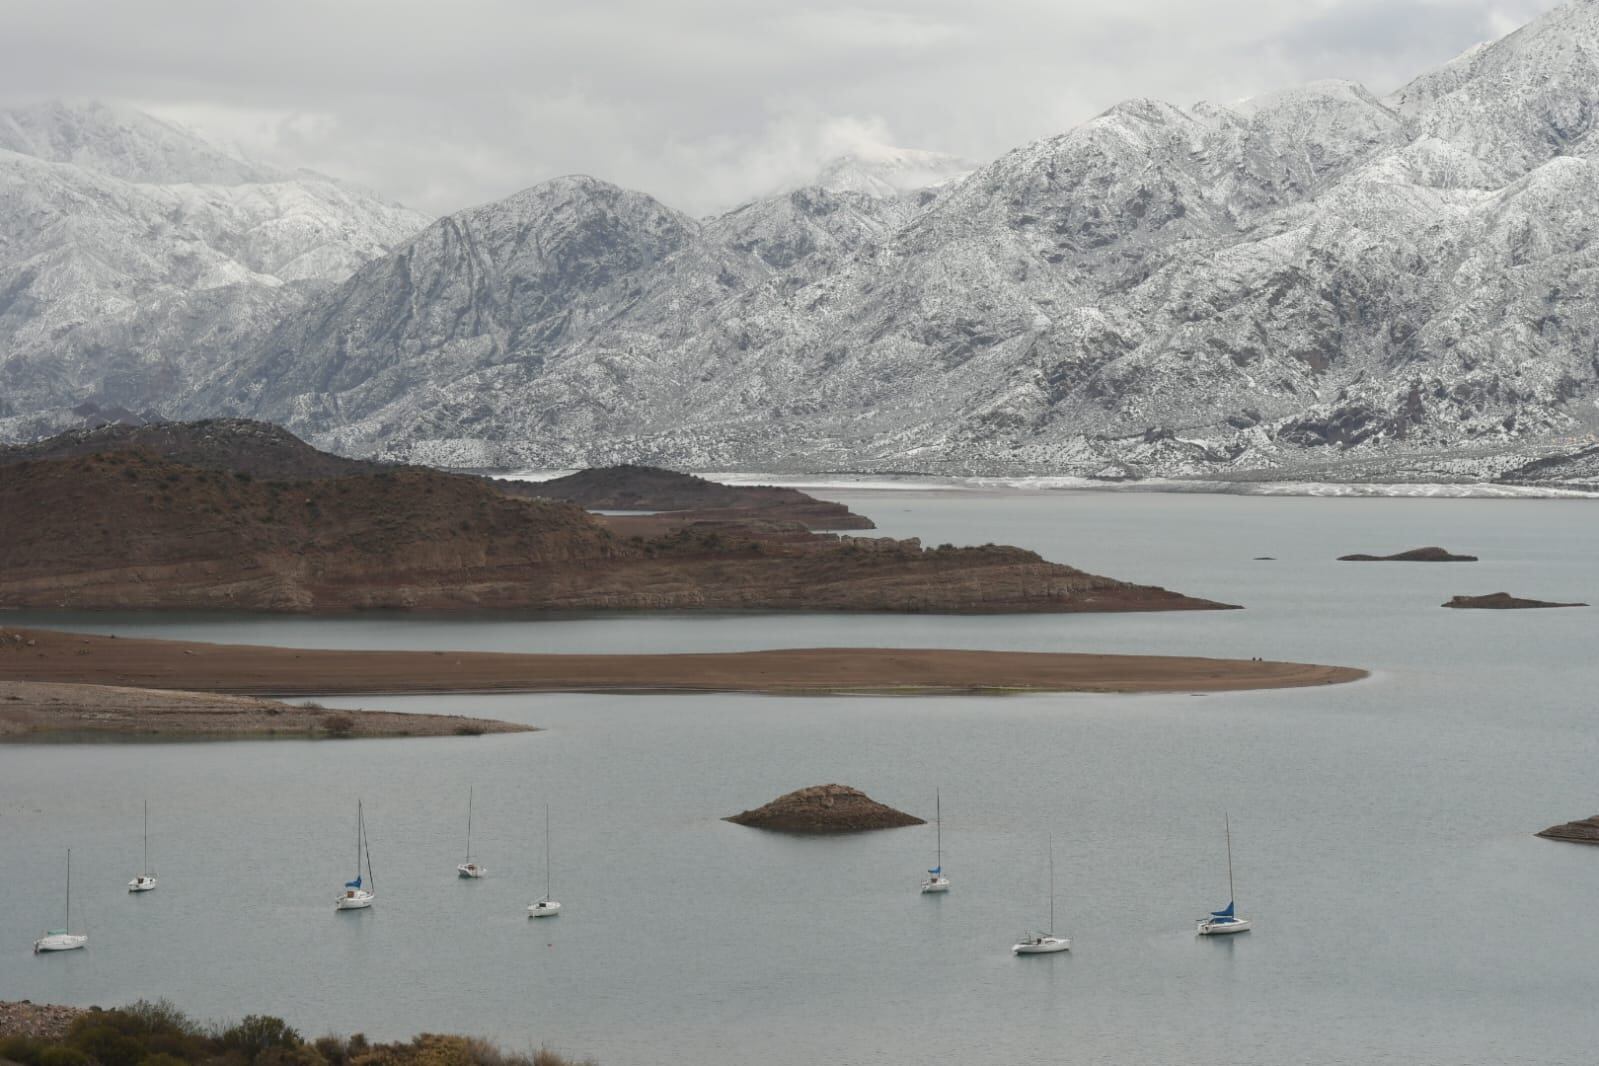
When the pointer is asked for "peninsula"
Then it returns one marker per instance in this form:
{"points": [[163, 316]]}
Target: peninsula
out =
{"points": [[237, 669], [229, 515]]}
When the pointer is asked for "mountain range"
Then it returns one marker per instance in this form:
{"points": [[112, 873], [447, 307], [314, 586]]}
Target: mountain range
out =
{"points": [[1312, 276], [135, 258]]}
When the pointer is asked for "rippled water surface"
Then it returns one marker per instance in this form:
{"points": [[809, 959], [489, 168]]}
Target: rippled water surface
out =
{"points": [[1404, 912]]}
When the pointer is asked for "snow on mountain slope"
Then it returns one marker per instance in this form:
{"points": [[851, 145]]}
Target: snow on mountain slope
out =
{"points": [[134, 257], [1315, 273]]}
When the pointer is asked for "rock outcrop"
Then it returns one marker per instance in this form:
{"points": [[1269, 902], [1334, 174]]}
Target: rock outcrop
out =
{"points": [[1585, 831], [825, 809], [1504, 601], [1414, 555]]}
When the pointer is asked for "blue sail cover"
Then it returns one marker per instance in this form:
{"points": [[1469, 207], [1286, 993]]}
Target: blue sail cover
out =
{"points": [[936, 870], [1225, 912], [354, 884]]}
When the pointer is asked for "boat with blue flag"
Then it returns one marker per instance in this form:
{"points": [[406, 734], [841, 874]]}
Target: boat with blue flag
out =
{"points": [[936, 881], [359, 894], [1226, 920]]}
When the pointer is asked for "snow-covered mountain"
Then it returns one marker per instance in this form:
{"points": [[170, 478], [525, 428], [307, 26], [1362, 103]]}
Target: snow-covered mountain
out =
{"points": [[1315, 273], [135, 257]]}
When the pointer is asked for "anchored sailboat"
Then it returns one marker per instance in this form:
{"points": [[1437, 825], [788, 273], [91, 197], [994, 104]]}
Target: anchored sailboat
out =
{"points": [[546, 907], [146, 880], [1044, 943], [359, 895], [60, 939], [469, 868], [936, 881], [1225, 920]]}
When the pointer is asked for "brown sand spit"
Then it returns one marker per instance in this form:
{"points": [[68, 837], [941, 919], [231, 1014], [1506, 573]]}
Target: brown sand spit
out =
{"points": [[650, 488], [1504, 601], [825, 809], [128, 529], [1585, 831], [38, 710], [46, 655], [1414, 555]]}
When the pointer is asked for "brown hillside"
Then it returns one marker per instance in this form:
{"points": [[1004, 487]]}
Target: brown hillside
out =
{"points": [[128, 529]]}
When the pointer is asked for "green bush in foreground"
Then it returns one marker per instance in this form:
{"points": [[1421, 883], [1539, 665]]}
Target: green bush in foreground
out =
{"points": [[158, 1034]]}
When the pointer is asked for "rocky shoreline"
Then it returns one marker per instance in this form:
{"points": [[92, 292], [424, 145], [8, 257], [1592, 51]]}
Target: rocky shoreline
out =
{"points": [[40, 1021], [32, 710]]}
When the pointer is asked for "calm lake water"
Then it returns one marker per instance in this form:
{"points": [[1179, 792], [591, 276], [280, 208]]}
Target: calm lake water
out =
{"points": [[1383, 830]]}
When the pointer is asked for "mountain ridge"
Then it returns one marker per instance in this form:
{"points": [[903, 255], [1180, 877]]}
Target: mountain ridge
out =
{"points": [[1161, 290]]}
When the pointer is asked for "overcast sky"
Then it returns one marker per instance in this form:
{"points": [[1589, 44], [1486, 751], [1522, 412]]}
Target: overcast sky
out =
{"points": [[445, 103]]}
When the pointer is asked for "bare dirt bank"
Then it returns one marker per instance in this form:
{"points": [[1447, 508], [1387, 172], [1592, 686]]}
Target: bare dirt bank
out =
{"points": [[44, 655], [40, 710]]}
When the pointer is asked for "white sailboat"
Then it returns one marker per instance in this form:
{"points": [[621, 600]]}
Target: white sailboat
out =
{"points": [[936, 881], [546, 907], [1225, 921], [358, 894], [61, 939], [469, 868], [146, 880], [1044, 943]]}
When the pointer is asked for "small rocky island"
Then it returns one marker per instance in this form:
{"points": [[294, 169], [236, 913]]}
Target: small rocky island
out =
{"points": [[825, 809], [1504, 601], [1585, 831], [1414, 555]]}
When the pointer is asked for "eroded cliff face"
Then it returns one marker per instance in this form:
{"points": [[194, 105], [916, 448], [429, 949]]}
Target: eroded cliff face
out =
{"points": [[130, 529]]}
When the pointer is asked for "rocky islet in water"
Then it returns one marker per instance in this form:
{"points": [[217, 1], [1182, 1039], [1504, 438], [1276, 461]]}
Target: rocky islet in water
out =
{"points": [[825, 809], [1504, 601], [1414, 555], [1583, 831]]}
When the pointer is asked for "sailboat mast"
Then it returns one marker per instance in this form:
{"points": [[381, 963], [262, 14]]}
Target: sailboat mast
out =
{"points": [[1052, 884], [1228, 825], [469, 792], [145, 867], [371, 878], [546, 851], [358, 839], [938, 824], [69, 891]]}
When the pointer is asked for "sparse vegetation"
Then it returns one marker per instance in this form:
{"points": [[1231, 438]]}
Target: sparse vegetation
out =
{"points": [[158, 1034], [339, 726]]}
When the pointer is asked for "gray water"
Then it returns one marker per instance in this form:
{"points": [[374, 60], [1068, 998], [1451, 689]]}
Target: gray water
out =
{"points": [[1404, 912]]}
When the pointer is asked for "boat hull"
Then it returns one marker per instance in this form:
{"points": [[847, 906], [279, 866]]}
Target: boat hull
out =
{"points": [[141, 884], [59, 942], [470, 870], [355, 900], [1048, 945], [935, 884], [1212, 927], [544, 908]]}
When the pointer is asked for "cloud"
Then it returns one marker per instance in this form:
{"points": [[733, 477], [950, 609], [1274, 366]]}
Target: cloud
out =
{"points": [[699, 102]]}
